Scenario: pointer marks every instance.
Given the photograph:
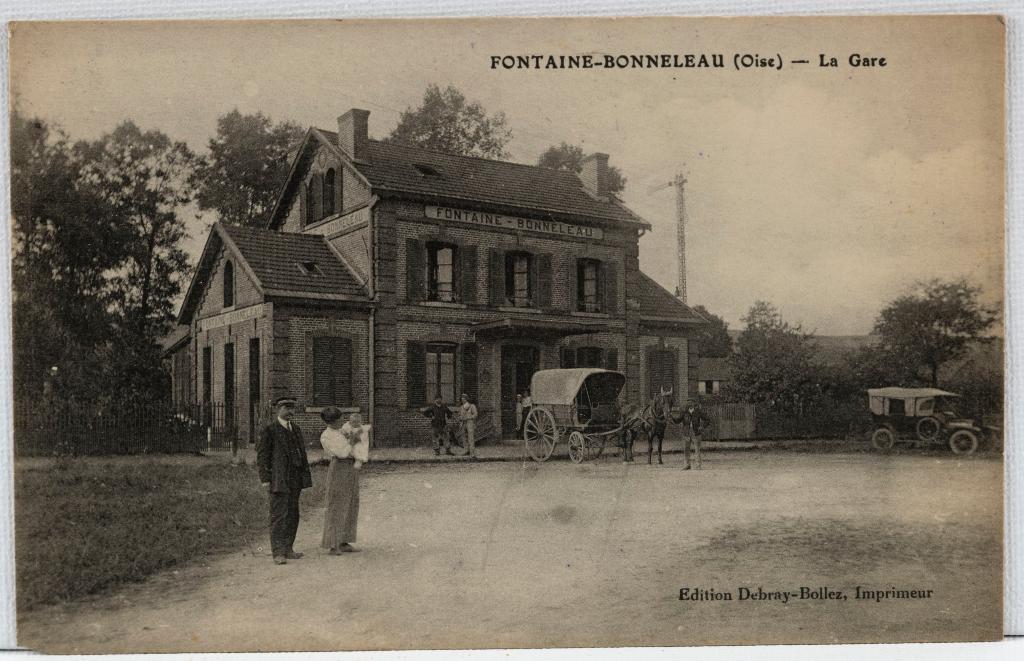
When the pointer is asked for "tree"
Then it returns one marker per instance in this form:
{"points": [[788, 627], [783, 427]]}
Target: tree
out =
{"points": [[570, 158], [247, 165], [144, 177], [713, 340], [65, 240], [773, 363], [934, 323], [446, 122]]}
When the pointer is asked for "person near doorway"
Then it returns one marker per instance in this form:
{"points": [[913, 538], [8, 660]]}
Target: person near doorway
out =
{"points": [[348, 446], [439, 415], [468, 415], [284, 472], [519, 412], [527, 405]]}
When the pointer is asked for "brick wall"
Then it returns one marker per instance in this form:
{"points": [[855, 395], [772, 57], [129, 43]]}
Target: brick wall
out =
{"points": [[295, 328], [212, 300], [354, 193]]}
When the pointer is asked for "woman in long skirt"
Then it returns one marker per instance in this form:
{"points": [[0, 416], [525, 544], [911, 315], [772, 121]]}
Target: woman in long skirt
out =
{"points": [[348, 447]]}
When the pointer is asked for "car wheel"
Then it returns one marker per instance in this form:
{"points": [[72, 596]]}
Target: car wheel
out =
{"points": [[883, 439]]}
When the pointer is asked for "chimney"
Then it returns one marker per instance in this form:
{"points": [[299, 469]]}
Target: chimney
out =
{"points": [[353, 135], [595, 174]]}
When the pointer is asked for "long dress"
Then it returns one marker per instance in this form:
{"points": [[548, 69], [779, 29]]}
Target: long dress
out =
{"points": [[342, 491]]}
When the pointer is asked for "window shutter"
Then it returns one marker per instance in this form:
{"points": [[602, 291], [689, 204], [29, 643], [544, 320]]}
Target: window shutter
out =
{"points": [[468, 273], [611, 359], [339, 189], [470, 379], [496, 277], [416, 374], [611, 288], [322, 372], [329, 193], [576, 294], [457, 273], [542, 296], [315, 203], [302, 205], [567, 357], [414, 270], [342, 369]]}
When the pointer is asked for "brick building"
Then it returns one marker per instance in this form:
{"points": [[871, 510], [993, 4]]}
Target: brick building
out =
{"points": [[388, 274]]}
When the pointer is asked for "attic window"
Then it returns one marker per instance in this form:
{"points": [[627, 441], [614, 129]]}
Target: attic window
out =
{"points": [[426, 170], [310, 268]]}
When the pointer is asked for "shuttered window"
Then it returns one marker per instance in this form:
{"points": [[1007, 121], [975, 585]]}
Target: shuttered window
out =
{"points": [[589, 357], [440, 372], [311, 205], [518, 279], [332, 371], [441, 268], [661, 370], [588, 285]]}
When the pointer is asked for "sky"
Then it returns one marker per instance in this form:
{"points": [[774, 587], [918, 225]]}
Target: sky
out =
{"points": [[827, 191]]}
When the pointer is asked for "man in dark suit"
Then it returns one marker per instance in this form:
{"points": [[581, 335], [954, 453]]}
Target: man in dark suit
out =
{"points": [[284, 472]]}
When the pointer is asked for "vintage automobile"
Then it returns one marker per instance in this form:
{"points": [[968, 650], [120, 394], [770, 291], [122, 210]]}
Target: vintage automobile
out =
{"points": [[920, 415]]}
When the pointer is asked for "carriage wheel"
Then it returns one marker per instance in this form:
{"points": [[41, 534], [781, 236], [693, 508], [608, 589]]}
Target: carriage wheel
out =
{"points": [[963, 442], [577, 447], [883, 439], [928, 429], [540, 434]]}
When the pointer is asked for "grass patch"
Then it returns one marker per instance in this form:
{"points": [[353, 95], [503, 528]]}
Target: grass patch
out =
{"points": [[86, 525]]}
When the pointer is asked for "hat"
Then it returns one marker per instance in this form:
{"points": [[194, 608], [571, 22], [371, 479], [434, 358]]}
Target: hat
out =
{"points": [[281, 401], [331, 414]]}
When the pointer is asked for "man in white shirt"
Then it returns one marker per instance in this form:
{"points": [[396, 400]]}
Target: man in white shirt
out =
{"points": [[468, 415]]}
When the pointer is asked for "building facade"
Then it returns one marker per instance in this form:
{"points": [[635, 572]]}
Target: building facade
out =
{"points": [[388, 275]]}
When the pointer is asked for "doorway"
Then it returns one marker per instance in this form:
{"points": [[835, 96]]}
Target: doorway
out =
{"points": [[518, 363]]}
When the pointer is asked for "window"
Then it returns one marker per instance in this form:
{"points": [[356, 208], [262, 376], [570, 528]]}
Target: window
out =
{"points": [[329, 193], [441, 272], [207, 375], [440, 372], [589, 357], [229, 284], [426, 170], [588, 285], [518, 281], [311, 216], [309, 268], [661, 371], [332, 371]]}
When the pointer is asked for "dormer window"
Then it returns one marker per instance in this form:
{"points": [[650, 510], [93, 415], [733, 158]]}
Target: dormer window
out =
{"points": [[309, 268], [229, 284], [426, 170]]}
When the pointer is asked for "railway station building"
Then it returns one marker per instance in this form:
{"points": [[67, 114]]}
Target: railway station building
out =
{"points": [[388, 275]]}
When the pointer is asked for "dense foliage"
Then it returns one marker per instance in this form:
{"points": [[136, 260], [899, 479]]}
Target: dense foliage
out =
{"points": [[445, 121], [570, 158]]}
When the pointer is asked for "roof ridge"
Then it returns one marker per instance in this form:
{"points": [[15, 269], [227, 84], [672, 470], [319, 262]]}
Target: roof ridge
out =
{"points": [[447, 153]]}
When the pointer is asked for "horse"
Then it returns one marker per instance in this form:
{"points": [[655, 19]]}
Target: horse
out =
{"points": [[651, 420]]}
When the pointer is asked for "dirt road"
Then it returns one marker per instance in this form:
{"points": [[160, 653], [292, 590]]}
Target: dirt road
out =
{"points": [[513, 555]]}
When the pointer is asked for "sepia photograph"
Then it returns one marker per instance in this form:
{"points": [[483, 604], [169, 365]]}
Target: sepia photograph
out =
{"points": [[337, 335]]}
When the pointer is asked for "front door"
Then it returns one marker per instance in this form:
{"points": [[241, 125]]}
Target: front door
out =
{"points": [[518, 363]]}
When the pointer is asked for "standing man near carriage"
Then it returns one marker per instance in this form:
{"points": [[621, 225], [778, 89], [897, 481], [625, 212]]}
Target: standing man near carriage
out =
{"points": [[284, 472], [695, 421]]}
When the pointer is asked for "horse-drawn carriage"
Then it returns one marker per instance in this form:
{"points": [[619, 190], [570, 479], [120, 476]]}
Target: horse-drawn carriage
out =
{"points": [[579, 405]]}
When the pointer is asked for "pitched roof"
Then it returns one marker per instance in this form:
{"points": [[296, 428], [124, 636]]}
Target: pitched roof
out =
{"points": [[713, 369], [393, 167], [281, 262], [658, 304]]}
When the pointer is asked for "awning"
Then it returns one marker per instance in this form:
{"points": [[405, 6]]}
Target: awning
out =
{"points": [[537, 328]]}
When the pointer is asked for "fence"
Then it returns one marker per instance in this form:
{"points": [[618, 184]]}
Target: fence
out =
{"points": [[48, 429]]}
